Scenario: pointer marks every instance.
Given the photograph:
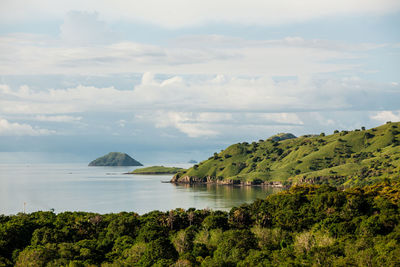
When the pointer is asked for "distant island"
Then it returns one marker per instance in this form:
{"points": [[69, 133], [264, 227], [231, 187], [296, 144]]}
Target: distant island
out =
{"points": [[157, 170], [115, 159], [282, 136], [344, 158], [192, 161]]}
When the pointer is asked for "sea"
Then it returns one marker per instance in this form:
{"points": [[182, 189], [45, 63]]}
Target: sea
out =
{"points": [[78, 187]]}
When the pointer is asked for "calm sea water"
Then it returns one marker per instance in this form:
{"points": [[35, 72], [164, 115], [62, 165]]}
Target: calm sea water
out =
{"points": [[76, 187]]}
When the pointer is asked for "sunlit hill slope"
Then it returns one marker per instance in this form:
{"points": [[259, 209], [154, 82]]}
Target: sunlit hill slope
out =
{"points": [[346, 158]]}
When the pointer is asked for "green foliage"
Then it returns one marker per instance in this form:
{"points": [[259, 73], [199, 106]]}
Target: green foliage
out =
{"points": [[304, 226], [214, 221], [35, 256], [158, 251], [233, 247]]}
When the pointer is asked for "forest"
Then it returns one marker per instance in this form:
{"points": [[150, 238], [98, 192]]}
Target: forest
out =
{"points": [[307, 225]]}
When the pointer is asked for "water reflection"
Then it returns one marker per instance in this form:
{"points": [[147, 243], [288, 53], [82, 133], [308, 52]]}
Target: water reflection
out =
{"points": [[226, 196]]}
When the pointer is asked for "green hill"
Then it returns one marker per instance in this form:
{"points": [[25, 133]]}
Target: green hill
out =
{"points": [[115, 159], [157, 170], [346, 158]]}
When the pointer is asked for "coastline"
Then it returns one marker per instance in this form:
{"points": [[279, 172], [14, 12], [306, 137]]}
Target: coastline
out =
{"points": [[152, 173], [232, 182]]}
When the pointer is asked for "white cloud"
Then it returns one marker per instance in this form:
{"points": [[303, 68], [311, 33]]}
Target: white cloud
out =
{"points": [[121, 123], [60, 118], [221, 41], [72, 100], [211, 124], [283, 118], [209, 106], [84, 28], [16, 129], [192, 124], [27, 54], [184, 13], [222, 94], [384, 116]]}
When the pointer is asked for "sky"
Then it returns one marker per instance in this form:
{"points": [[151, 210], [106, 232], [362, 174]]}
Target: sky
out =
{"points": [[170, 81]]}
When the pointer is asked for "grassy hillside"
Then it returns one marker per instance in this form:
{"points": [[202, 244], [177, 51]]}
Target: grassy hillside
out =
{"points": [[157, 170], [347, 158]]}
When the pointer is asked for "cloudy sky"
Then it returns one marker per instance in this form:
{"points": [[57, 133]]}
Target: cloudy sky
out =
{"points": [[170, 81]]}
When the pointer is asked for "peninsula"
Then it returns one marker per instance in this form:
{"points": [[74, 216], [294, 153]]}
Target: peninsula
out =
{"points": [[157, 170], [344, 158]]}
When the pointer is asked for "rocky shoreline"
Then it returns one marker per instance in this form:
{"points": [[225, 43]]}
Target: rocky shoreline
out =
{"points": [[151, 173], [212, 180]]}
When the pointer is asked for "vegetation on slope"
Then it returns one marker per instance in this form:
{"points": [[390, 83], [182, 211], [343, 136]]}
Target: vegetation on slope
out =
{"points": [[157, 170], [358, 157], [307, 225], [282, 136], [115, 159]]}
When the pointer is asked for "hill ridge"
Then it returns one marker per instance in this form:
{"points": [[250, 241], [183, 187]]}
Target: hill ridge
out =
{"points": [[357, 157]]}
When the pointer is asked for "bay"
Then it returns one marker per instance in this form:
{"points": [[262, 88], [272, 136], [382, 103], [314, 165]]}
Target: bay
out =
{"points": [[77, 187]]}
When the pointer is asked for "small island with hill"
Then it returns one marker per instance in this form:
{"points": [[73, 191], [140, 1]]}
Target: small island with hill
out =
{"points": [[157, 170], [115, 159]]}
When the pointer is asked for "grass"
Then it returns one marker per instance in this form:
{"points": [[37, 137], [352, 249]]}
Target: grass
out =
{"points": [[361, 156], [157, 170]]}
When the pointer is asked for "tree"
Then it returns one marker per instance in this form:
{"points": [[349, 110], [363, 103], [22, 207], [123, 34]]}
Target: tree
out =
{"points": [[215, 221], [234, 246], [159, 249], [183, 240], [35, 256]]}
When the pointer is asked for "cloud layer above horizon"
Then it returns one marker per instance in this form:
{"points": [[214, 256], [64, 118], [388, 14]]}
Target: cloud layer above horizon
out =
{"points": [[198, 77], [188, 13]]}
